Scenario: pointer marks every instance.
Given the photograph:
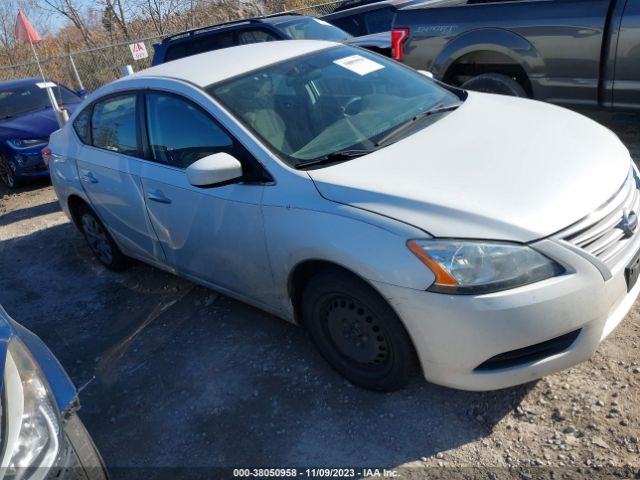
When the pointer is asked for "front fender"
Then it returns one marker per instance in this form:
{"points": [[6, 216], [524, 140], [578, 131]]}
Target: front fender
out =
{"points": [[493, 40], [370, 246], [61, 386]]}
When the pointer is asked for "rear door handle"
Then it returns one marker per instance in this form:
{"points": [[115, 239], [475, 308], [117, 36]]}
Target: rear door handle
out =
{"points": [[158, 197], [88, 178]]}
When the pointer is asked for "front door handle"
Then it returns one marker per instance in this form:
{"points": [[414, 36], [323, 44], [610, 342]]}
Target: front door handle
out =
{"points": [[88, 178], [158, 197]]}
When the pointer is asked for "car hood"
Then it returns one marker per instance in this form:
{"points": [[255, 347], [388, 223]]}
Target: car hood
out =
{"points": [[380, 40], [40, 123], [496, 168]]}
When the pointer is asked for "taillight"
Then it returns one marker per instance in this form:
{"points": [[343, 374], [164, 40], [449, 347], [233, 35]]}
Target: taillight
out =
{"points": [[398, 38], [46, 155]]}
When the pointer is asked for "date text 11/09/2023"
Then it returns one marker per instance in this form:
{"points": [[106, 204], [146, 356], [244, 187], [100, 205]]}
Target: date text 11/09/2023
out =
{"points": [[314, 473]]}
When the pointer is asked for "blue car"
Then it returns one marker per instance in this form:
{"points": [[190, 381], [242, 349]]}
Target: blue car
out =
{"points": [[41, 434], [26, 121]]}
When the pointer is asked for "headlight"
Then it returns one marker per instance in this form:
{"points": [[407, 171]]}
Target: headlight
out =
{"points": [[22, 143], [32, 424], [472, 267]]}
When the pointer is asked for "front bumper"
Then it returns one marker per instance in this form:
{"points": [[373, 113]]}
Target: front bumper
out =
{"points": [[455, 334], [28, 164]]}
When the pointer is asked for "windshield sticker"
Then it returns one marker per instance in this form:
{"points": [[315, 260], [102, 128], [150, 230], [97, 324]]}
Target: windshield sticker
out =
{"points": [[358, 64]]}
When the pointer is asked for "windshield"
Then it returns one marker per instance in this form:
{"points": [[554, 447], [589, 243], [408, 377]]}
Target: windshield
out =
{"points": [[29, 98], [330, 101], [312, 29]]}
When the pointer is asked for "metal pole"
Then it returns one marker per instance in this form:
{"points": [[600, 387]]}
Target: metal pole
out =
{"points": [[126, 70], [75, 72], [60, 115]]}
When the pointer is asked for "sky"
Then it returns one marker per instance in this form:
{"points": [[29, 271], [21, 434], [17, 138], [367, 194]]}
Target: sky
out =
{"points": [[56, 22]]}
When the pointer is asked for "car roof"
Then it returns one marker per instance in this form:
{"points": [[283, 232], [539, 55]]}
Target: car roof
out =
{"points": [[271, 19], [229, 62], [358, 6], [20, 82]]}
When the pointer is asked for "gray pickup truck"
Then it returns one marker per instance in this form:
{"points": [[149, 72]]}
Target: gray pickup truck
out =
{"points": [[576, 53]]}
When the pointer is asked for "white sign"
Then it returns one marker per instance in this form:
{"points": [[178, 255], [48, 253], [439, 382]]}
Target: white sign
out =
{"points": [[358, 64], [138, 50], [44, 85]]}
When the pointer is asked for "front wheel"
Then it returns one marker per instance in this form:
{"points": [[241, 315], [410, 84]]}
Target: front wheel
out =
{"points": [[7, 175], [100, 242], [357, 332]]}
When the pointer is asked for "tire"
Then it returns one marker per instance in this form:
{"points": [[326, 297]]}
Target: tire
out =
{"points": [[100, 241], [495, 83], [357, 332], [6, 174]]}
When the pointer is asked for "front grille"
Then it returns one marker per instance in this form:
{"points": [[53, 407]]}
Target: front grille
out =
{"points": [[529, 354], [603, 233]]}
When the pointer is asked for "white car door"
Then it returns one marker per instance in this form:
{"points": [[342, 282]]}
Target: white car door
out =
{"points": [[214, 234], [104, 167]]}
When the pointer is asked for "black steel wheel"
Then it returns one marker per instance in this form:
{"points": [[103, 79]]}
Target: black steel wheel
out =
{"points": [[357, 332], [100, 241]]}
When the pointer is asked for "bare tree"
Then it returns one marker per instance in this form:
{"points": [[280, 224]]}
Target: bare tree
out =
{"points": [[160, 12], [117, 15], [71, 10], [7, 20], [11, 51]]}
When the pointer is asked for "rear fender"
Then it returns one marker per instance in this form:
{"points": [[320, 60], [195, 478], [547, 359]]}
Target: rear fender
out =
{"points": [[493, 40]]}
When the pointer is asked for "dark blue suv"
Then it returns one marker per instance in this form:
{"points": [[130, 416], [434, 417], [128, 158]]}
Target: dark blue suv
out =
{"points": [[254, 30], [26, 121]]}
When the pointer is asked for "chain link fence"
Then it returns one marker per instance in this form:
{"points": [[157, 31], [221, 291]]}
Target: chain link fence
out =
{"points": [[91, 68]]}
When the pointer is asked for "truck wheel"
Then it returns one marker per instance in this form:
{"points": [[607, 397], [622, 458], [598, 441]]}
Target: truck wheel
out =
{"points": [[357, 332], [495, 83]]}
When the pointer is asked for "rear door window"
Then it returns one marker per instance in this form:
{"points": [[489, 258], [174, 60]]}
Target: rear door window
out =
{"points": [[113, 125], [81, 125]]}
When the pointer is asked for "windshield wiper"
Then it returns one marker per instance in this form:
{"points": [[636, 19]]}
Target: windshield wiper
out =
{"points": [[334, 157], [427, 113]]}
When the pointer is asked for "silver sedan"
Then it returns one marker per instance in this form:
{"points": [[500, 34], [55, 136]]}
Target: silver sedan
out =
{"points": [[406, 224]]}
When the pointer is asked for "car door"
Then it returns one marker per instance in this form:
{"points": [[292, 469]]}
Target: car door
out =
{"points": [[213, 234], [104, 168], [626, 86]]}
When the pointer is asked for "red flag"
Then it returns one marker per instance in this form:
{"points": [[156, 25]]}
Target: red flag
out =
{"points": [[24, 31]]}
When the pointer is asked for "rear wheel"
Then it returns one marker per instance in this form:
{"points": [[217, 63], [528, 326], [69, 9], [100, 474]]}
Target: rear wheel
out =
{"points": [[495, 83], [357, 332], [6, 174], [99, 240]]}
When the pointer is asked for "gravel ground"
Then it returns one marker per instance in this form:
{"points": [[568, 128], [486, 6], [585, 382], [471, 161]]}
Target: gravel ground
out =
{"points": [[173, 374]]}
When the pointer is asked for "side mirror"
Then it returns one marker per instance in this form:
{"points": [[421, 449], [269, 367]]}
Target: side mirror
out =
{"points": [[426, 74], [213, 170], [82, 92]]}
